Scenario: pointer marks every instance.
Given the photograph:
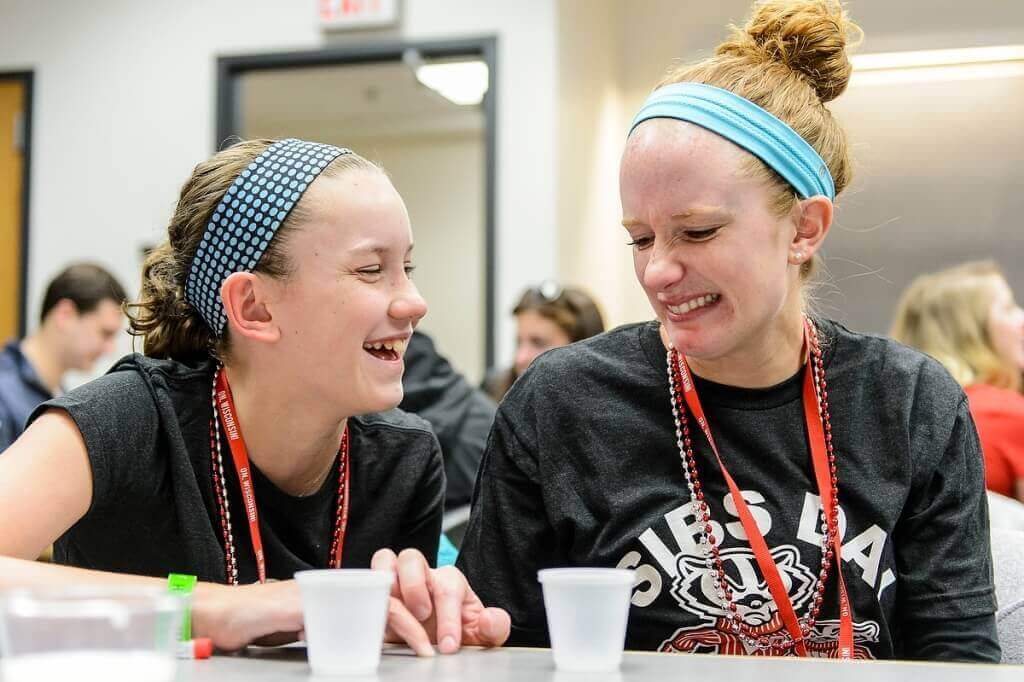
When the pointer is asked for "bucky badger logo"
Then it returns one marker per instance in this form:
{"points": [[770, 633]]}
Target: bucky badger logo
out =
{"points": [[694, 588], [823, 642], [695, 592]]}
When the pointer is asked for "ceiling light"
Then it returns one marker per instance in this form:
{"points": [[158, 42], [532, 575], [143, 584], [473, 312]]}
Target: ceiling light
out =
{"points": [[929, 58], [925, 66], [463, 82]]}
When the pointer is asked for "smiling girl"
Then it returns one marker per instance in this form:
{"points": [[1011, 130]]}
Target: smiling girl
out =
{"points": [[780, 484], [256, 436]]}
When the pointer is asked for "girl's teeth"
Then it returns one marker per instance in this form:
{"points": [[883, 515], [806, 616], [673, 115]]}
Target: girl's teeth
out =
{"points": [[396, 346], [693, 304]]}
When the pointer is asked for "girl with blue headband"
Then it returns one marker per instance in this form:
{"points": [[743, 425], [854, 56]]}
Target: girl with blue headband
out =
{"points": [[781, 485], [256, 436]]}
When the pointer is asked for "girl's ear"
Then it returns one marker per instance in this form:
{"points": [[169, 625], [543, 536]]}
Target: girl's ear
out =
{"points": [[813, 220], [244, 297]]}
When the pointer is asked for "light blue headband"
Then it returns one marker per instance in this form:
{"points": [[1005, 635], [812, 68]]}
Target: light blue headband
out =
{"points": [[248, 217], [745, 124]]}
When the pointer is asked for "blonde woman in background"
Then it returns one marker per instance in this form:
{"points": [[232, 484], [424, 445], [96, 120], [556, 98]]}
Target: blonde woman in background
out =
{"points": [[966, 318]]}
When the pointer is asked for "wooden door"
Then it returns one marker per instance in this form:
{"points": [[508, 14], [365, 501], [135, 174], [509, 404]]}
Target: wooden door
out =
{"points": [[12, 158]]}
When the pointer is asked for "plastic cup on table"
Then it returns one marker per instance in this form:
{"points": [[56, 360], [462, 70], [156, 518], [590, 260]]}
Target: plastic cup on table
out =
{"points": [[587, 609], [89, 634], [345, 611]]}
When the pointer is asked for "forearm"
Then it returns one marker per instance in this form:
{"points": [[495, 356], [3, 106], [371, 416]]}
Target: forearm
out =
{"points": [[212, 613]]}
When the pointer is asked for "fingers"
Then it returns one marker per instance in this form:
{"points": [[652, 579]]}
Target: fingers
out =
{"points": [[495, 625], [462, 618], [385, 560], [410, 590], [420, 592], [414, 582], [450, 589], [404, 626]]}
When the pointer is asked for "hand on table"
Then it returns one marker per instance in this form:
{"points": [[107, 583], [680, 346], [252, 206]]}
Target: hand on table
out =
{"points": [[233, 617], [436, 606]]}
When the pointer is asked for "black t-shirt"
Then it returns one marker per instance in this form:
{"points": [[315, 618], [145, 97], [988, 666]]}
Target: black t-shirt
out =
{"points": [[582, 469], [146, 428]]}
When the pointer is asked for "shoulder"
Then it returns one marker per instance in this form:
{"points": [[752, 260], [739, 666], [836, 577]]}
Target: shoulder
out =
{"points": [[400, 439], [13, 368], [9, 357], [139, 375], [395, 424], [888, 372], [134, 387]]}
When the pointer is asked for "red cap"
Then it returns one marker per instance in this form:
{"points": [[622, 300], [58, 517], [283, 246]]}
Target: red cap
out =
{"points": [[202, 647]]}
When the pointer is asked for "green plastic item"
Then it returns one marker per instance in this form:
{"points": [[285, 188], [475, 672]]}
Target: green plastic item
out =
{"points": [[179, 583]]}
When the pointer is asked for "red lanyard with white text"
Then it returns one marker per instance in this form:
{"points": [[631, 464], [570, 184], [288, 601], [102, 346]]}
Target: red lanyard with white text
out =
{"points": [[816, 435], [240, 455]]}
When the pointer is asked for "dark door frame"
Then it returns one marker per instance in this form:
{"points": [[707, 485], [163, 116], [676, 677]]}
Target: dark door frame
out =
{"points": [[229, 69], [26, 79]]}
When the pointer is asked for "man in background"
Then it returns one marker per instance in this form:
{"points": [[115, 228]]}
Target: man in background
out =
{"points": [[79, 322]]}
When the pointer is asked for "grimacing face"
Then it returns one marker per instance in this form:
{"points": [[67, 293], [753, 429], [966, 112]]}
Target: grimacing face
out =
{"points": [[713, 260]]}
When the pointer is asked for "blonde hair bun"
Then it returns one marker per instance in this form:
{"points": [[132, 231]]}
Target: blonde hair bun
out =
{"points": [[809, 37]]}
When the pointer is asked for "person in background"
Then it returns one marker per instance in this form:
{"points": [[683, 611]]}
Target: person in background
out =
{"points": [[460, 414], [966, 317], [79, 322], [781, 485], [547, 316], [256, 436]]}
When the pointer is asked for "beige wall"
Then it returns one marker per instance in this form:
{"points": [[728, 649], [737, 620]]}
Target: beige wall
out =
{"points": [[441, 180], [592, 118]]}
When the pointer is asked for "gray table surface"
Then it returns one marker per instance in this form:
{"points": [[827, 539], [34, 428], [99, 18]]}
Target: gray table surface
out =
{"points": [[497, 665]]}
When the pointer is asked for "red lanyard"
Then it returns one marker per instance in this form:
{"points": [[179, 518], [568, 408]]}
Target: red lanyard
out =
{"points": [[240, 455], [816, 435]]}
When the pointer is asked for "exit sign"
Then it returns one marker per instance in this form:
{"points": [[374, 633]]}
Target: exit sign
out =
{"points": [[356, 14]]}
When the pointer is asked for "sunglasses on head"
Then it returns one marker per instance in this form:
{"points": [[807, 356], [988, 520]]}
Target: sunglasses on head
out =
{"points": [[549, 290]]}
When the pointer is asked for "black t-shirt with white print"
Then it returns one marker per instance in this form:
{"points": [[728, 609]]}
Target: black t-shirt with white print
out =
{"points": [[582, 469]]}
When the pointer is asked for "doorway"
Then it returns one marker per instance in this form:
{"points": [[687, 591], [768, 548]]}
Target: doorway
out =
{"points": [[15, 155], [436, 143]]}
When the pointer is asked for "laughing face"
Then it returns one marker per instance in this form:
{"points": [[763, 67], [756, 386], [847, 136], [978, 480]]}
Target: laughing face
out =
{"points": [[716, 264], [348, 310]]}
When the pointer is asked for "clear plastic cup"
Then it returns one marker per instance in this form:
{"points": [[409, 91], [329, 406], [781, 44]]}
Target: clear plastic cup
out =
{"points": [[345, 612], [87, 634], [587, 609]]}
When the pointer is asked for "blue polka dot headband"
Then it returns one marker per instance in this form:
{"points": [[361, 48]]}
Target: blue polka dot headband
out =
{"points": [[248, 217], [743, 123]]}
